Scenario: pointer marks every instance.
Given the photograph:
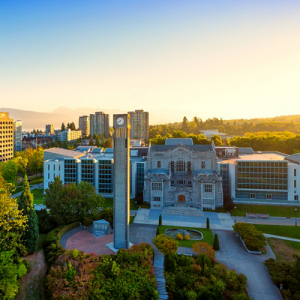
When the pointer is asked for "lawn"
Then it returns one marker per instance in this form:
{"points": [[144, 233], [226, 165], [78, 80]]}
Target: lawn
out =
{"points": [[284, 250], [37, 180], [207, 235], [109, 202], [39, 197], [272, 210], [132, 219], [287, 231]]}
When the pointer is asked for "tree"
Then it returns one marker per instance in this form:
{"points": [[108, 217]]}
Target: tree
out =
{"points": [[91, 142], [204, 248], [185, 125], [9, 171], [63, 126], [37, 161], [10, 272], [72, 202], [160, 220], [164, 244], [108, 143], [228, 203], [25, 203], [216, 245], [157, 231], [12, 223], [207, 223], [217, 140]]}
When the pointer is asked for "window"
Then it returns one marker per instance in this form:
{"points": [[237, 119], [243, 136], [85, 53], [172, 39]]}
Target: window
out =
{"points": [[48, 167], [189, 182], [172, 166], [172, 182], [180, 166], [208, 201], [189, 167], [203, 164], [157, 199], [295, 183], [208, 188], [59, 167], [295, 172], [156, 186], [54, 168], [252, 196], [296, 198], [158, 164], [269, 196], [180, 181]]}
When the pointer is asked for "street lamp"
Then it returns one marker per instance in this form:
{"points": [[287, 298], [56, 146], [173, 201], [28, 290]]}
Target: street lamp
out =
{"points": [[234, 215], [295, 216]]}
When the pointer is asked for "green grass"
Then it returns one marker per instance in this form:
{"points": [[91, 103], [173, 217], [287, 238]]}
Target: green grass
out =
{"points": [[287, 231], [109, 202], [272, 210], [132, 219], [18, 189], [37, 180], [284, 250], [39, 197], [207, 235]]}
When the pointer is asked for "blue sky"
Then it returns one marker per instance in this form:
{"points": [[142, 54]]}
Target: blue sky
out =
{"points": [[242, 56]]}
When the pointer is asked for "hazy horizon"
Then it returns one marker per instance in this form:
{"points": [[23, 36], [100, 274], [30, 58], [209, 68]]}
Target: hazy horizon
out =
{"points": [[219, 59]]}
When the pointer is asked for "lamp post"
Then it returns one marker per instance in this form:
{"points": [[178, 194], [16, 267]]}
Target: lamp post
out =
{"points": [[234, 215], [295, 216]]}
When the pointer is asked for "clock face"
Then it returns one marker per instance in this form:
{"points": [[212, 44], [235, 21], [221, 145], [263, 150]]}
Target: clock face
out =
{"points": [[120, 121]]}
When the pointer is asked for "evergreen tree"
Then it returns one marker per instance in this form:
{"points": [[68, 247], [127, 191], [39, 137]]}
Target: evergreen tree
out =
{"points": [[207, 223], [216, 245], [160, 220], [25, 202], [63, 126], [157, 231]]}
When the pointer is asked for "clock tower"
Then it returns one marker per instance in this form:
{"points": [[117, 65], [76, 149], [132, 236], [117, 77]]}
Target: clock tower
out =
{"points": [[121, 124]]}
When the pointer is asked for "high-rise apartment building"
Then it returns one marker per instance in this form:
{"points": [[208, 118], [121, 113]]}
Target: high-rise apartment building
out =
{"points": [[49, 129], [99, 124], [6, 137], [139, 122], [84, 125], [18, 135]]}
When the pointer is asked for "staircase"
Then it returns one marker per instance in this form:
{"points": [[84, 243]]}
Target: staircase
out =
{"points": [[183, 211], [159, 274]]}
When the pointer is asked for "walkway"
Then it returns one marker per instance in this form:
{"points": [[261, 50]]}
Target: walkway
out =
{"points": [[159, 273], [32, 187], [281, 237], [270, 221], [232, 253]]}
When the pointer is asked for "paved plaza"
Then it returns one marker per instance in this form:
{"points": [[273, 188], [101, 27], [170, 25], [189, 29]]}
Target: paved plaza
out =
{"points": [[234, 256], [217, 221]]}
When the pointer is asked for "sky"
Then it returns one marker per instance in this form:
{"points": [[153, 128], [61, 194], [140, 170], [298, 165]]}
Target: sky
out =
{"points": [[229, 59]]}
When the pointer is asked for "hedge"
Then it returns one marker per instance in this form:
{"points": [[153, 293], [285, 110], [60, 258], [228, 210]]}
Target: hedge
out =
{"points": [[66, 229]]}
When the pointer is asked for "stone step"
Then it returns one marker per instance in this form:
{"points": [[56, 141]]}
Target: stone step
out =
{"points": [[183, 211]]}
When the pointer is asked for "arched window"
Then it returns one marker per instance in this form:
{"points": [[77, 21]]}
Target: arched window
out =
{"points": [[180, 166]]}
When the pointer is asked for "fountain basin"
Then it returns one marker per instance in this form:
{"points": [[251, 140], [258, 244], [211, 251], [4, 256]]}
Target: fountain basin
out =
{"points": [[195, 235]]}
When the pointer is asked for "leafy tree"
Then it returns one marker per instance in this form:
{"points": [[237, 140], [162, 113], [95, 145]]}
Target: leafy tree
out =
{"points": [[185, 126], [63, 127], [228, 203], [204, 248], [91, 142], [108, 143], [12, 223], [10, 272], [25, 203], [9, 171], [37, 161], [164, 244], [217, 140], [216, 245]]}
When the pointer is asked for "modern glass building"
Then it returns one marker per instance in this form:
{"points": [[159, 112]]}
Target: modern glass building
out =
{"points": [[105, 178], [71, 171]]}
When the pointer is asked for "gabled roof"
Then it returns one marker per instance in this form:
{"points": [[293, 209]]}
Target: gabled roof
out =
{"points": [[175, 142]]}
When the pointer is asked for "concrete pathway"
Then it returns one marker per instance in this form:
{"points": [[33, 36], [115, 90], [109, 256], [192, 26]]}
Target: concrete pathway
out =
{"points": [[159, 274], [281, 237], [32, 187], [271, 221], [232, 253]]}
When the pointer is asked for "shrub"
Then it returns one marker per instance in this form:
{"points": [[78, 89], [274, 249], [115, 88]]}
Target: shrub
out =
{"points": [[160, 220], [253, 238], [165, 244], [157, 231], [204, 248], [187, 237], [46, 221], [75, 253], [87, 222], [179, 237], [207, 223], [216, 245]]}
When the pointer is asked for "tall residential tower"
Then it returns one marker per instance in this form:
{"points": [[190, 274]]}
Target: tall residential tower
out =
{"points": [[99, 124], [84, 125], [139, 121], [6, 137], [18, 135], [121, 180]]}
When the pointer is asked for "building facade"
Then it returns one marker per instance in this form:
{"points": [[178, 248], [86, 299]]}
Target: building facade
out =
{"points": [[49, 129], [18, 135], [182, 174], [139, 122], [69, 135], [99, 124], [84, 125], [6, 137]]}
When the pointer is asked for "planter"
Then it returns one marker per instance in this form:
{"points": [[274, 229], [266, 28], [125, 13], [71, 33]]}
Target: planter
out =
{"points": [[249, 251]]}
